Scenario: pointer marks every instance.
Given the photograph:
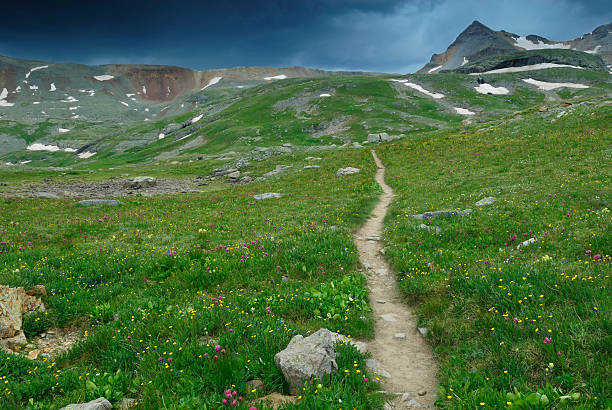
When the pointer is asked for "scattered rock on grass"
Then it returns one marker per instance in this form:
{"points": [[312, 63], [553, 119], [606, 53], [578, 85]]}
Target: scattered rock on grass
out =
{"points": [[268, 195], [430, 228], [141, 182], [125, 403], [98, 202], [486, 201], [347, 171], [97, 404], [435, 214], [305, 357]]}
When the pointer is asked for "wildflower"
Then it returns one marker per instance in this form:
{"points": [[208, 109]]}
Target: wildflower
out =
{"points": [[588, 252], [217, 348], [515, 320], [268, 309], [597, 257], [547, 340], [365, 379]]}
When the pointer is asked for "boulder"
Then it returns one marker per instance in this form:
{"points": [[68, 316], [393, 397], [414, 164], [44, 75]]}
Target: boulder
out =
{"points": [[141, 182], [97, 404], [311, 166], [379, 137], [46, 195], [486, 201], [233, 176], [277, 170], [305, 357], [430, 228], [436, 214], [347, 171], [268, 195], [170, 128], [98, 202], [14, 302]]}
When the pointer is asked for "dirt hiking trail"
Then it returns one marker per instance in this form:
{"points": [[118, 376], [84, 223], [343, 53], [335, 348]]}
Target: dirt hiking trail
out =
{"points": [[399, 352]]}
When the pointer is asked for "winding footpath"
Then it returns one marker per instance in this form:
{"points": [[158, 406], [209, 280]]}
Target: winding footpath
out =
{"points": [[399, 352]]}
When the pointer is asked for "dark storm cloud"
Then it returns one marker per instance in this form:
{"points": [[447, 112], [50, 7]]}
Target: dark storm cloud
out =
{"points": [[373, 35]]}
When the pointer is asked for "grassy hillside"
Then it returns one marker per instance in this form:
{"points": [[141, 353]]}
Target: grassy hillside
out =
{"points": [[152, 286], [511, 325]]}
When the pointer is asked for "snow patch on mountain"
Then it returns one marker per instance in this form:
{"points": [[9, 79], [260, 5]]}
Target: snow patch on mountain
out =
{"points": [[463, 111], [3, 102], [196, 119], [213, 81], [541, 66], [465, 61], [433, 70], [276, 77], [488, 88], [52, 87], [63, 130], [50, 148], [546, 86], [417, 87], [104, 77], [526, 44], [86, 154], [34, 69], [593, 51]]}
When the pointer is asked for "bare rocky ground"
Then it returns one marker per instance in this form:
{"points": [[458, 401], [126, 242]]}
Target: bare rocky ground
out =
{"points": [[120, 187], [399, 352]]}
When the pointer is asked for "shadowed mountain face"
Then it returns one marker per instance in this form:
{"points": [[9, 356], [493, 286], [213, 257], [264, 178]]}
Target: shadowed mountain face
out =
{"points": [[479, 41]]}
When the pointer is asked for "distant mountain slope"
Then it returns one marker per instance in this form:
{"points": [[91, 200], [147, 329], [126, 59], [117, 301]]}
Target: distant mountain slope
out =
{"points": [[478, 41], [32, 91]]}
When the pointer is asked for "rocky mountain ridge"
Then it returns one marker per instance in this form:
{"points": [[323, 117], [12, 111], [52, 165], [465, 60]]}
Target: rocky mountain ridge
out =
{"points": [[478, 41]]}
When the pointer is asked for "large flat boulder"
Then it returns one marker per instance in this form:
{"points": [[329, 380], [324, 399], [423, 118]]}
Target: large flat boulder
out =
{"points": [[305, 357], [347, 171], [97, 404], [437, 214]]}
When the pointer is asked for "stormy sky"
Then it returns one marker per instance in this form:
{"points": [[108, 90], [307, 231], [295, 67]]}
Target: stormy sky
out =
{"points": [[369, 35]]}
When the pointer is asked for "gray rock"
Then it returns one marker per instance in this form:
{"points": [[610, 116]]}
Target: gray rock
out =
{"points": [[371, 363], [360, 346], [141, 182], [430, 228], [379, 137], [14, 302], [241, 163], [356, 145], [311, 166], [305, 357], [126, 403], [97, 404], [277, 170], [388, 317], [423, 331], [245, 180], [46, 195], [422, 392], [268, 195], [436, 214], [234, 176], [486, 201], [255, 385], [400, 336], [313, 159], [98, 202], [347, 171], [170, 128]]}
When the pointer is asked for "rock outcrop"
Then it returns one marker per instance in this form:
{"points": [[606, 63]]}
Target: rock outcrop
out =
{"points": [[14, 302]]}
